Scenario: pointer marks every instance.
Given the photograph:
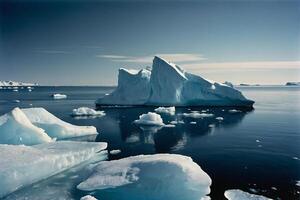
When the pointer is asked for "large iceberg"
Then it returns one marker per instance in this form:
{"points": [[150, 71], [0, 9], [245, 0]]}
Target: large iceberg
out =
{"points": [[166, 84], [23, 165], [159, 176], [54, 126], [16, 128]]}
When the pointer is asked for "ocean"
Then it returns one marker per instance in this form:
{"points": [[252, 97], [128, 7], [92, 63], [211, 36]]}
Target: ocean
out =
{"points": [[254, 150]]}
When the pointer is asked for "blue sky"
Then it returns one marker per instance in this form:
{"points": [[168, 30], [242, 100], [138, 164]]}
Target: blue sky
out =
{"points": [[85, 42]]}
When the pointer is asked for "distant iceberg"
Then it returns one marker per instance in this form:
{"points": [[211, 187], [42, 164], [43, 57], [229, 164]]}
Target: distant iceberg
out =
{"points": [[59, 96], [85, 111], [166, 84], [23, 165], [155, 177]]}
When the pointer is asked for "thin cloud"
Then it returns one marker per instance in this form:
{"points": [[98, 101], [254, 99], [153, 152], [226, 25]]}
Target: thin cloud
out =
{"points": [[177, 58]]}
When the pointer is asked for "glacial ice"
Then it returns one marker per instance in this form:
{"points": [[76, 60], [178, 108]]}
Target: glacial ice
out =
{"points": [[150, 118], [16, 128], [158, 176], [23, 165], [59, 96], [85, 111], [55, 127], [241, 195], [166, 84], [165, 110]]}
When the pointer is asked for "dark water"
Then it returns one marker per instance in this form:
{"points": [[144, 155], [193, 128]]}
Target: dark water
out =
{"points": [[254, 150]]}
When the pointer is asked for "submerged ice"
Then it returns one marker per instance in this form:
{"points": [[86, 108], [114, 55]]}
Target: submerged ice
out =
{"points": [[23, 165], [159, 176], [166, 84]]}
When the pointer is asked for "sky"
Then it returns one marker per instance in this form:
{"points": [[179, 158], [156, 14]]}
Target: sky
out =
{"points": [[85, 42]]}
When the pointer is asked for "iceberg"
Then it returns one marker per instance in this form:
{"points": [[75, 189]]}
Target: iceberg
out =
{"points": [[23, 165], [166, 84], [239, 194], [85, 111], [88, 197], [16, 128], [150, 119], [55, 127], [59, 96], [165, 110], [158, 176]]}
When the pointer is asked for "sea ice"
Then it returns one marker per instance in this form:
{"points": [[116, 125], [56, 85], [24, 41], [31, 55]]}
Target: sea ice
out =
{"points": [[165, 110], [16, 128], [158, 176], [23, 165], [241, 195], [150, 119], [59, 96], [166, 84], [54, 126], [85, 111]]}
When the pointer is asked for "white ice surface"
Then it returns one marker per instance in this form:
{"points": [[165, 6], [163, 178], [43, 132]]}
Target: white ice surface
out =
{"points": [[150, 118], [16, 128], [165, 110], [85, 111], [158, 176], [241, 195], [55, 127], [23, 165], [169, 85]]}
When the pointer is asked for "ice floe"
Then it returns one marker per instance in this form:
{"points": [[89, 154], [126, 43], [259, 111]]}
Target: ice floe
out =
{"points": [[115, 151], [23, 165], [159, 176], [150, 118], [59, 96], [85, 111], [196, 114], [165, 110], [241, 195], [234, 111]]}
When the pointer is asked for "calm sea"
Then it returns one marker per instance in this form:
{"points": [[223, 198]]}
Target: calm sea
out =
{"points": [[255, 150]]}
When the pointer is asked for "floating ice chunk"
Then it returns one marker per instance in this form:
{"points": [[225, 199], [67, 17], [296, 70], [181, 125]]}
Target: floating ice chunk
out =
{"points": [[16, 101], [176, 177], [88, 197], [16, 128], [85, 111], [169, 85], [257, 140], [219, 118], [234, 111], [150, 119], [115, 152], [166, 110], [23, 165], [169, 125], [177, 122], [197, 115], [59, 96], [211, 126], [54, 126], [193, 122], [298, 183], [241, 195]]}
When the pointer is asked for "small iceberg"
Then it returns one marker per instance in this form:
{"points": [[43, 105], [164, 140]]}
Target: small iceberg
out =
{"points": [[59, 96], [21, 165], [167, 84], [234, 111], [115, 151], [172, 176], [241, 195], [196, 114], [86, 112], [150, 119], [165, 110], [88, 197]]}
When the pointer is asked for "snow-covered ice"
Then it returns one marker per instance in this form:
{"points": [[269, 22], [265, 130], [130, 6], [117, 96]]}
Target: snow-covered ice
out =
{"points": [[150, 118], [158, 176], [16, 128], [115, 151], [85, 111], [55, 127], [23, 165], [59, 96], [241, 195], [165, 110], [166, 84], [88, 197]]}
